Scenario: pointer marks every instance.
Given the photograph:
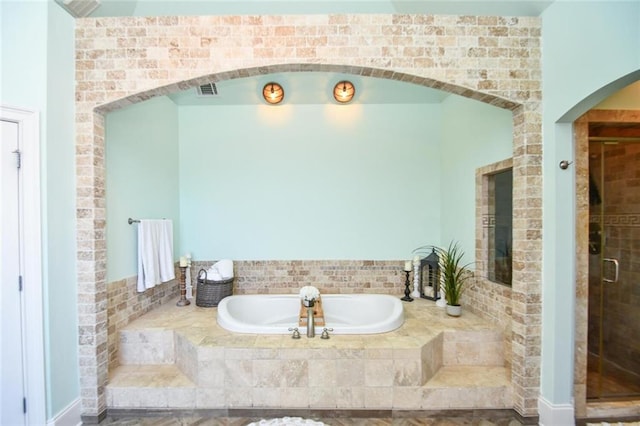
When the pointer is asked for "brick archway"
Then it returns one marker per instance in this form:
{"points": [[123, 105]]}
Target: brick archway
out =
{"points": [[121, 61], [283, 68]]}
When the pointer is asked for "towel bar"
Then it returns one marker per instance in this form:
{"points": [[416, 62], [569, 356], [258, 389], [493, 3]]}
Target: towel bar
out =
{"points": [[132, 221]]}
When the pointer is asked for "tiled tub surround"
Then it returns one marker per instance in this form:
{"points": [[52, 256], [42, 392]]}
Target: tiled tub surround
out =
{"points": [[492, 59], [179, 358], [125, 304]]}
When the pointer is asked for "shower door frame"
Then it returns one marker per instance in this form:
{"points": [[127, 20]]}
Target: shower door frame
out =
{"points": [[581, 139], [613, 266]]}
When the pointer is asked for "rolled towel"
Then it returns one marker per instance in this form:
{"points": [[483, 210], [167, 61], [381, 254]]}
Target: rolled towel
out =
{"points": [[213, 274], [224, 268]]}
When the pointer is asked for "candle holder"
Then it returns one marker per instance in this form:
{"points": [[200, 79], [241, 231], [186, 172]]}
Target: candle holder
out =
{"points": [[407, 283], [183, 287]]}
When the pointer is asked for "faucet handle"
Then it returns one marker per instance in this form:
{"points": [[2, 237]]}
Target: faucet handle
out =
{"points": [[325, 333], [295, 334]]}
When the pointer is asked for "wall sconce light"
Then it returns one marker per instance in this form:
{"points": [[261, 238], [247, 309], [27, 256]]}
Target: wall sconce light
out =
{"points": [[343, 91], [273, 93]]}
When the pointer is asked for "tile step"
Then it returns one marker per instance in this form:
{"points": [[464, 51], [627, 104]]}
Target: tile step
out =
{"points": [[148, 376], [470, 376], [169, 375], [452, 387], [149, 386]]}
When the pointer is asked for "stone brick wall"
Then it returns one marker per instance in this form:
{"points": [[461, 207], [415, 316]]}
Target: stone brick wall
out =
{"points": [[329, 276], [120, 61]]}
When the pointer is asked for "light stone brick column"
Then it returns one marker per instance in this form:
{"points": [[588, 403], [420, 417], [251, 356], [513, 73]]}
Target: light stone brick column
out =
{"points": [[91, 260], [527, 258]]}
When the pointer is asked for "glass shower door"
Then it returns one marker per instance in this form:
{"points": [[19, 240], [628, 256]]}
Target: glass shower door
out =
{"points": [[614, 271]]}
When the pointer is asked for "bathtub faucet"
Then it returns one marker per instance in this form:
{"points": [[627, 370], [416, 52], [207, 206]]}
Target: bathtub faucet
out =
{"points": [[311, 326], [309, 294]]}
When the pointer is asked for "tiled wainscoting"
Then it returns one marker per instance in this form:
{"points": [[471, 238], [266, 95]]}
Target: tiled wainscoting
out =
{"points": [[329, 276], [179, 358]]}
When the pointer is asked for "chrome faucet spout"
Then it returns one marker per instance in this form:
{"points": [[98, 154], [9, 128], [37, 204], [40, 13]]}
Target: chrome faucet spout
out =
{"points": [[311, 326]]}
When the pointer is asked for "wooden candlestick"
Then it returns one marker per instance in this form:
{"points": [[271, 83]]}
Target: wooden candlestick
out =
{"points": [[183, 287]]}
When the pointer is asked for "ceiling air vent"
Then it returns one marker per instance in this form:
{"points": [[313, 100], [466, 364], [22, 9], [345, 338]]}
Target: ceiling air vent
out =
{"points": [[208, 89]]}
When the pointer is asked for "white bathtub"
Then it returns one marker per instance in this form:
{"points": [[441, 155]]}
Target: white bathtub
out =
{"points": [[345, 313]]}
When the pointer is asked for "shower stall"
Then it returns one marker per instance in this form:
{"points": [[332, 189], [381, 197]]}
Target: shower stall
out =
{"points": [[613, 365]]}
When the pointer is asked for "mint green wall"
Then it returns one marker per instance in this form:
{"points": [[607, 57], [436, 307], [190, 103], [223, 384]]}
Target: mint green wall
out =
{"points": [[474, 134], [141, 178], [309, 181], [300, 182], [587, 46], [590, 50], [61, 225], [37, 73]]}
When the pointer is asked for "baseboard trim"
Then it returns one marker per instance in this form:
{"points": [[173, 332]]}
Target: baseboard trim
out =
{"points": [[555, 414], [69, 416]]}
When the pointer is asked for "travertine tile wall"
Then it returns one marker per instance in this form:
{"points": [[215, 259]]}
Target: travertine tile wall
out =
{"points": [[329, 276], [120, 61]]}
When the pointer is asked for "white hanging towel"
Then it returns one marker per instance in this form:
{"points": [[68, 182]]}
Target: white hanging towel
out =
{"points": [[155, 253]]}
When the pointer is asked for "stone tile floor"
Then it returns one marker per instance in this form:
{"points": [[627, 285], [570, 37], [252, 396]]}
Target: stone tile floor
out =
{"points": [[238, 421], [386, 421]]}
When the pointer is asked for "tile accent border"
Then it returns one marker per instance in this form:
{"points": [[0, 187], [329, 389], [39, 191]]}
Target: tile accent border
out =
{"points": [[120, 61]]}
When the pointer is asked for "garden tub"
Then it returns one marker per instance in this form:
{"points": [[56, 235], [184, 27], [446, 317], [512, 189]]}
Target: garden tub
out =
{"points": [[344, 313]]}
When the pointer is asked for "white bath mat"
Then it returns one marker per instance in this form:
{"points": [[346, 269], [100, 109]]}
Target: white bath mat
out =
{"points": [[287, 421]]}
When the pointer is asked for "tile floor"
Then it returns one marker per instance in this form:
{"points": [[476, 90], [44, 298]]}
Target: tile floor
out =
{"points": [[238, 421]]}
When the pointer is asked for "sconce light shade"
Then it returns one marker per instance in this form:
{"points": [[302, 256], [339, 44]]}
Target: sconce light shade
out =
{"points": [[273, 93], [343, 91]]}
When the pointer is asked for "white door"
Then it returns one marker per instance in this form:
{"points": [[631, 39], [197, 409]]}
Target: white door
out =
{"points": [[12, 391]]}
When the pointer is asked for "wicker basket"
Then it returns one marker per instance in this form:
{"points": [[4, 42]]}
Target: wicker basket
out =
{"points": [[209, 292]]}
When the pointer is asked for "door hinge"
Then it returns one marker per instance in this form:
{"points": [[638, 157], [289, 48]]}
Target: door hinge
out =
{"points": [[20, 283], [18, 154], [24, 405]]}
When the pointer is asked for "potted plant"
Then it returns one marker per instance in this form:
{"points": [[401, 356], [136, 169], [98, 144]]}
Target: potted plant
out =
{"points": [[454, 276]]}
